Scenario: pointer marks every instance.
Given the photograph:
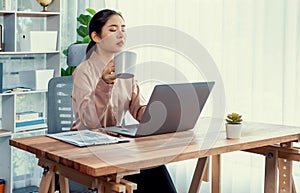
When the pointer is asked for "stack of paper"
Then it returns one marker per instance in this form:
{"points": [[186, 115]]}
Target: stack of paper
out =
{"points": [[86, 138]]}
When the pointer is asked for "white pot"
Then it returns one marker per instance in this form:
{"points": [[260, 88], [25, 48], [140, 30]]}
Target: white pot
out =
{"points": [[233, 131]]}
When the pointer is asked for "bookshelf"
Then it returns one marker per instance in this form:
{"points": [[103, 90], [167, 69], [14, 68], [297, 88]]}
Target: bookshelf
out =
{"points": [[18, 168], [17, 23]]}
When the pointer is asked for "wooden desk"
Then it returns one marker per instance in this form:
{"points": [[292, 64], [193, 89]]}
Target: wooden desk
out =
{"points": [[95, 162]]}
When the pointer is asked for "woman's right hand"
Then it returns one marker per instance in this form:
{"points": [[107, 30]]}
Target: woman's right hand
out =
{"points": [[108, 73]]}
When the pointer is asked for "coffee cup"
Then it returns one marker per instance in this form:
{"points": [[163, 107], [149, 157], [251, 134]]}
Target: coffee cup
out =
{"points": [[125, 64]]}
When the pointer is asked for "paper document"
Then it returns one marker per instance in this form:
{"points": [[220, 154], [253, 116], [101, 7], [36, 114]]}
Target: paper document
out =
{"points": [[84, 138]]}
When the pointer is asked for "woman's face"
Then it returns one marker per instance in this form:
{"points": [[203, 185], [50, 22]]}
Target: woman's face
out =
{"points": [[113, 36]]}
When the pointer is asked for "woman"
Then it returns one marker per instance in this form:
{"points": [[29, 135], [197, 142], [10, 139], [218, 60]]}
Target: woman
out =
{"points": [[101, 100]]}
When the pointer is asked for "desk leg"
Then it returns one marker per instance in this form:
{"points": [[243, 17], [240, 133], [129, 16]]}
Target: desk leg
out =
{"points": [[271, 172], [130, 186], [216, 174], [285, 178], [46, 181], [286, 183], [52, 184], [206, 172], [64, 184], [198, 175], [109, 187], [100, 188]]}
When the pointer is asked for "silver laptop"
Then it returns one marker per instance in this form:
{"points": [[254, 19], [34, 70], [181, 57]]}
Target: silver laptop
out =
{"points": [[171, 108]]}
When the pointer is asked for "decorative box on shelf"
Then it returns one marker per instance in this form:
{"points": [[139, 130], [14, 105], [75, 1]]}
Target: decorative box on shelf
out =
{"points": [[38, 41], [36, 79], [43, 41]]}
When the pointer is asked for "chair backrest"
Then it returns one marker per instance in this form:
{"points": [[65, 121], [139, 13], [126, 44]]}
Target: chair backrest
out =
{"points": [[76, 54], [60, 114]]}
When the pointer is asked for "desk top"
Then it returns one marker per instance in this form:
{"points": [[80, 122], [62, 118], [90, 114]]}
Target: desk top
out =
{"points": [[206, 139]]}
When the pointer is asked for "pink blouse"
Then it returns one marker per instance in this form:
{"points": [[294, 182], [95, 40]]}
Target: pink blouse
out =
{"points": [[98, 104]]}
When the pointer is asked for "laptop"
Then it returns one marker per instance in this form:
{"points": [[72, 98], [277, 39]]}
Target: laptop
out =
{"points": [[171, 108]]}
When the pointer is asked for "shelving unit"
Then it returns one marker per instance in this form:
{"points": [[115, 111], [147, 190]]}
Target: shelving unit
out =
{"points": [[13, 21], [18, 168]]}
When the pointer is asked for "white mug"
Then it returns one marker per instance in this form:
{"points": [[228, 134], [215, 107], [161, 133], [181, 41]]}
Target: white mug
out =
{"points": [[125, 64]]}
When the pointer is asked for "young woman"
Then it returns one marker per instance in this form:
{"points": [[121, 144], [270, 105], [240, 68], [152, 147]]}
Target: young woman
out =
{"points": [[101, 100]]}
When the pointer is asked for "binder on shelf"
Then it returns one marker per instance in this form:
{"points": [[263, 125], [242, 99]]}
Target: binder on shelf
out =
{"points": [[1, 30], [24, 42], [1, 77]]}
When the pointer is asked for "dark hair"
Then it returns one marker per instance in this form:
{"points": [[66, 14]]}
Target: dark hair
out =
{"points": [[97, 22]]}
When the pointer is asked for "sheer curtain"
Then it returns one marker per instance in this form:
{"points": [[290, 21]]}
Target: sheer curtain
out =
{"points": [[255, 45]]}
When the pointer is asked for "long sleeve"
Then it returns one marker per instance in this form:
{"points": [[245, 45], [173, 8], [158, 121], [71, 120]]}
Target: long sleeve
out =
{"points": [[98, 104], [89, 103]]}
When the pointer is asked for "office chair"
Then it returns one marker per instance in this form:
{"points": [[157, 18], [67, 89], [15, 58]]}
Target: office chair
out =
{"points": [[59, 112], [76, 54]]}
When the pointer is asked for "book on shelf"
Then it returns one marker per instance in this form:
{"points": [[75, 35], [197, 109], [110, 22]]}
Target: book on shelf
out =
{"points": [[84, 138], [30, 122], [17, 89], [31, 127], [28, 115]]}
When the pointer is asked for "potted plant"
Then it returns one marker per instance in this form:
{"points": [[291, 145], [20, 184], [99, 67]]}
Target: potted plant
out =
{"points": [[233, 126], [83, 33]]}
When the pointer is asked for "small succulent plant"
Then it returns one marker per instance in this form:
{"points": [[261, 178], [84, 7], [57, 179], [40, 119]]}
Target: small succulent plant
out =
{"points": [[234, 118]]}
